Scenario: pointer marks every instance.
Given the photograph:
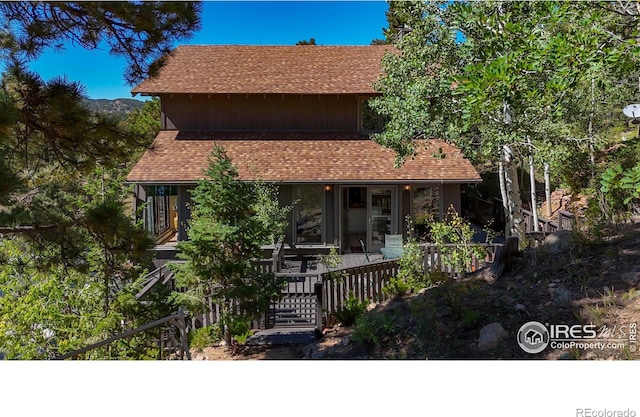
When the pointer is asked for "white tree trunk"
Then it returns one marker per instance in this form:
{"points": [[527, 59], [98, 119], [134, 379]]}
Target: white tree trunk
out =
{"points": [[547, 188], [505, 197], [532, 182], [514, 198]]}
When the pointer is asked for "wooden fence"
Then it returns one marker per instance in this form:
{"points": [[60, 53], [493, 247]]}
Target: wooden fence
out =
{"points": [[478, 210], [364, 282], [566, 221], [433, 258]]}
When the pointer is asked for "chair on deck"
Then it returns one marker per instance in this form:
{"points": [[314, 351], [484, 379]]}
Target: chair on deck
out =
{"points": [[393, 247], [364, 250]]}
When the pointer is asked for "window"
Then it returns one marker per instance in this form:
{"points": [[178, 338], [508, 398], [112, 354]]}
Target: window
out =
{"points": [[162, 201], [308, 213], [426, 206], [370, 120]]}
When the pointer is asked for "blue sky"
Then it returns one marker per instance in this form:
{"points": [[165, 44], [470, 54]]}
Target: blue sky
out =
{"points": [[232, 22]]}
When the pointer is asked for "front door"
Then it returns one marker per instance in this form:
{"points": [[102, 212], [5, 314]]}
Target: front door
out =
{"points": [[367, 214], [381, 210]]}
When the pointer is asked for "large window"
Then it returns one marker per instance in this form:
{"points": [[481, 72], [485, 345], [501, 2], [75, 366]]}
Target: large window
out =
{"points": [[161, 208], [426, 206], [308, 213]]}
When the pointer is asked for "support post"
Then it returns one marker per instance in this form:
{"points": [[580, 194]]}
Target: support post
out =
{"points": [[317, 289]]}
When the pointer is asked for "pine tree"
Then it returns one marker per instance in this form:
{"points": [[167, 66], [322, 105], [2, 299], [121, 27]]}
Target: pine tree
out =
{"points": [[70, 256], [225, 234]]}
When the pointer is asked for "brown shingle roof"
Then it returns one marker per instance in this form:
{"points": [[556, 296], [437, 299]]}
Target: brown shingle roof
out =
{"points": [[297, 157], [300, 69]]}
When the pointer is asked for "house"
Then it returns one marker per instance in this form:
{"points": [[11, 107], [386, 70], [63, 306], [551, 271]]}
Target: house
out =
{"points": [[297, 116]]}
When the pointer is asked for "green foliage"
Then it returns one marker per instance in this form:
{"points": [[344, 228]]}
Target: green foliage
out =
{"points": [[204, 337], [332, 262], [268, 210], [311, 41], [240, 329], [225, 234], [71, 257], [621, 187], [140, 32], [454, 239], [417, 98], [483, 75], [471, 319], [372, 329], [410, 268], [145, 123], [396, 287], [352, 309]]}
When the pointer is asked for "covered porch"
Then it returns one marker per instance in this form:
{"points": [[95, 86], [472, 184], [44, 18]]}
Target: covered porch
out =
{"points": [[345, 191]]}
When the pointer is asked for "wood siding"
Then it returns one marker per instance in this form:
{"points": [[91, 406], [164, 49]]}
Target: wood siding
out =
{"points": [[261, 112]]}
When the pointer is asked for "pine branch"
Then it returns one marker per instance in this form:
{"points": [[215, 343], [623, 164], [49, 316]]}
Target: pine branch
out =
{"points": [[25, 229]]}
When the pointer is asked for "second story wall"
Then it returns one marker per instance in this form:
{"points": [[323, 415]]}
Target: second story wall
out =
{"points": [[261, 112]]}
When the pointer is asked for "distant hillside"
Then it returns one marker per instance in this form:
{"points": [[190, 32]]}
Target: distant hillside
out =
{"points": [[119, 107]]}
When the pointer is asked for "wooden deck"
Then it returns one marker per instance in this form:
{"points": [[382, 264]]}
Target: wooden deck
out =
{"points": [[313, 264]]}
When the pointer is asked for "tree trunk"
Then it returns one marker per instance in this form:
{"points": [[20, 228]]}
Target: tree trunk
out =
{"points": [[505, 198], [547, 188], [514, 198], [532, 182]]}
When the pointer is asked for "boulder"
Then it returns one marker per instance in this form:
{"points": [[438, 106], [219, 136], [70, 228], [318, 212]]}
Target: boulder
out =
{"points": [[490, 336], [558, 241], [632, 278]]}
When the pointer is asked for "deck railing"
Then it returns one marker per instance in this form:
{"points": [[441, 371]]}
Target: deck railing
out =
{"points": [[364, 282], [478, 209], [433, 258], [278, 256], [170, 345]]}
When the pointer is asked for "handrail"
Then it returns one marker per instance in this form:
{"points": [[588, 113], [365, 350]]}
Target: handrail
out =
{"points": [[153, 278], [178, 320]]}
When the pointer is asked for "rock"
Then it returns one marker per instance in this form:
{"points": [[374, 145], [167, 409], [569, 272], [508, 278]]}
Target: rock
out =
{"points": [[561, 296], [328, 330], [521, 307], [372, 306], [631, 278], [558, 241], [490, 336], [564, 356]]}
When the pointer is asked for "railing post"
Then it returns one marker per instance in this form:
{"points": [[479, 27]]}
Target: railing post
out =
{"points": [[182, 329], [317, 287]]}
